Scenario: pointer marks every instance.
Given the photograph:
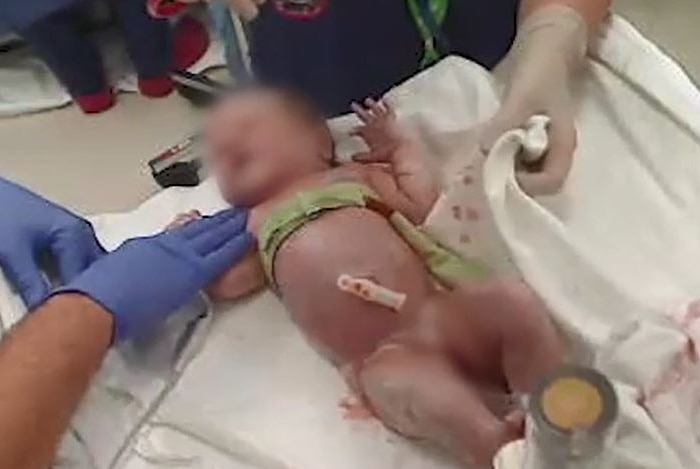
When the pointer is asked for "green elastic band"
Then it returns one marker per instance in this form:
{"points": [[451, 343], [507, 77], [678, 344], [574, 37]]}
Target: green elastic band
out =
{"points": [[439, 11]]}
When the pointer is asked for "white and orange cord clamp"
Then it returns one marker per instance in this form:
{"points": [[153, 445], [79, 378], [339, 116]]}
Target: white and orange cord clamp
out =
{"points": [[371, 292]]}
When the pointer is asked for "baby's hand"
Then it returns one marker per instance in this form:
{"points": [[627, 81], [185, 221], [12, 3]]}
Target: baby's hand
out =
{"points": [[183, 219], [381, 131], [407, 182]]}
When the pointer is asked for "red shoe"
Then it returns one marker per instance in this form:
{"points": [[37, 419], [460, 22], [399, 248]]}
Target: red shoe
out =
{"points": [[191, 41], [156, 87], [165, 8], [95, 103]]}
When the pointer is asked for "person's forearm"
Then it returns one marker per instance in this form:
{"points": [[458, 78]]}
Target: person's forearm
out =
{"points": [[46, 364], [593, 11]]}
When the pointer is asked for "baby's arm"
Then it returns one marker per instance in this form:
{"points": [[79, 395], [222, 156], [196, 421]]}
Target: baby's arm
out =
{"points": [[410, 184], [245, 278], [242, 280]]}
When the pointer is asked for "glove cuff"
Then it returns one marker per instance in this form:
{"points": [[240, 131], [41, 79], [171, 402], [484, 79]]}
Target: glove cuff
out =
{"points": [[118, 333], [556, 29]]}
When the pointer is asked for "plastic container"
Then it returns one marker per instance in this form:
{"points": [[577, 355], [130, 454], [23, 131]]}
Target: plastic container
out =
{"points": [[572, 418]]}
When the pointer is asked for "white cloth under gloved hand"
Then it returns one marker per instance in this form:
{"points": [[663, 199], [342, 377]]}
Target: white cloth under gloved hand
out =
{"points": [[547, 53]]}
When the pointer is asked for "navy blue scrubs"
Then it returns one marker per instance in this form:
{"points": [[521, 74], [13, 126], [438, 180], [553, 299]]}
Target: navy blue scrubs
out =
{"points": [[19, 14], [55, 31], [351, 49]]}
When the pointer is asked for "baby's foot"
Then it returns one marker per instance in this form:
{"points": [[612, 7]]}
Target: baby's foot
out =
{"points": [[515, 424], [355, 409]]}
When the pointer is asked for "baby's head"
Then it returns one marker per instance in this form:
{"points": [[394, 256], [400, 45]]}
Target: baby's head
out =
{"points": [[261, 139]]}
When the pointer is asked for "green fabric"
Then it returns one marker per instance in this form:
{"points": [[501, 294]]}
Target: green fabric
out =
{"points": [[447, 267], [304, 207], [439, 9]]}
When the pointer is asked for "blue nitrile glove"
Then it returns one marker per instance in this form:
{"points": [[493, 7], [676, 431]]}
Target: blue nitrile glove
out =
{"points": [[147, 279], [32, 228]]}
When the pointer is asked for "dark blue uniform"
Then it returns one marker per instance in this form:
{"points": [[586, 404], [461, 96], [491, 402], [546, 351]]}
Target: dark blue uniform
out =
{"points": [[19, 14], [55, 31], [358, 48]]}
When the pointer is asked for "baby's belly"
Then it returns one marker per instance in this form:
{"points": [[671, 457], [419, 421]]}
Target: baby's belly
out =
{"points": [[359, 243]]}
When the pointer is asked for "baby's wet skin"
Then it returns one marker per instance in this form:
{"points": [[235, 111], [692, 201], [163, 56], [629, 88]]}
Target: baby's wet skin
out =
{"points": [[355, 242], [434, 365]]}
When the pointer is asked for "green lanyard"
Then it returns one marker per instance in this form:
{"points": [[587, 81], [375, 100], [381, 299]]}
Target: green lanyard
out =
{"points": [[427, 26]]}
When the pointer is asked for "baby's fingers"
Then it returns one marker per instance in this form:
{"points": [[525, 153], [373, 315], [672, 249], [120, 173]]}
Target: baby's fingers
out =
{"points": [[374, 107], [379, 108], [364, 114], [365, 157], [370, 157], [389, 109]]}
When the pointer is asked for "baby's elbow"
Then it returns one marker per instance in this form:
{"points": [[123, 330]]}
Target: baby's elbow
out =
{"points": [[229, 292], [418, 214], [243, 280], [425, 206]]}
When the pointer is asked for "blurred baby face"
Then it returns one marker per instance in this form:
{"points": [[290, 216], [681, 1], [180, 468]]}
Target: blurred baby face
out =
{"points": [[257, 146]]}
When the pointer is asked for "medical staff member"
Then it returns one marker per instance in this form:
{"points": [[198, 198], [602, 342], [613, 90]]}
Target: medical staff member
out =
{"points": [[340, 51], [55, 30], [47, 361]]}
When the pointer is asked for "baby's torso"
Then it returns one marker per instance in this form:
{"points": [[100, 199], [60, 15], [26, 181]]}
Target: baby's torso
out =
{"points": [[355, 242], [351, 240], [343, 174]]}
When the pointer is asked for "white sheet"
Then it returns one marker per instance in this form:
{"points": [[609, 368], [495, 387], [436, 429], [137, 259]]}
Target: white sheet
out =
{"points": [[612, 256]]}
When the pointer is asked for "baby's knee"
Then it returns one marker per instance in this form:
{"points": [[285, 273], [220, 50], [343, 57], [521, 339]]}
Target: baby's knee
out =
{"points": [[387, 374], [519, 293], [416, 393], [388, 381], [532, 344], [527, 312]]}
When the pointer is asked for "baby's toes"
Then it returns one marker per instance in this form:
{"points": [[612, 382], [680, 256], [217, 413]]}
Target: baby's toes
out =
{"points": [[515, 424]]}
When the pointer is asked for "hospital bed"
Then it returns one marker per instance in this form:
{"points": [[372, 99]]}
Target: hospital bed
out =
{"points": [[614, 256]]}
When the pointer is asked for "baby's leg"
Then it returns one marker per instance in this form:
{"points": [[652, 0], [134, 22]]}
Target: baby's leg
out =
{"points": [[57, 38], [532, 346], [420, 394], [513, 325]]}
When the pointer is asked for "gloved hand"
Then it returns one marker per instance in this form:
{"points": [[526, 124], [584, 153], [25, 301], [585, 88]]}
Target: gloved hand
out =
{"points": [[31, 229], [246, 9], [147, 279], [547, 53]]}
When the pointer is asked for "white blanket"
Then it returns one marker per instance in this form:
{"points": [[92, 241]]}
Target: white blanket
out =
{"points": [[613, 256]]}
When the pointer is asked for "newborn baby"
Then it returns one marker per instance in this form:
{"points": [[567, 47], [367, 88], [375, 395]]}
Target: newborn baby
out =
{"points": [[438, 363]]}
